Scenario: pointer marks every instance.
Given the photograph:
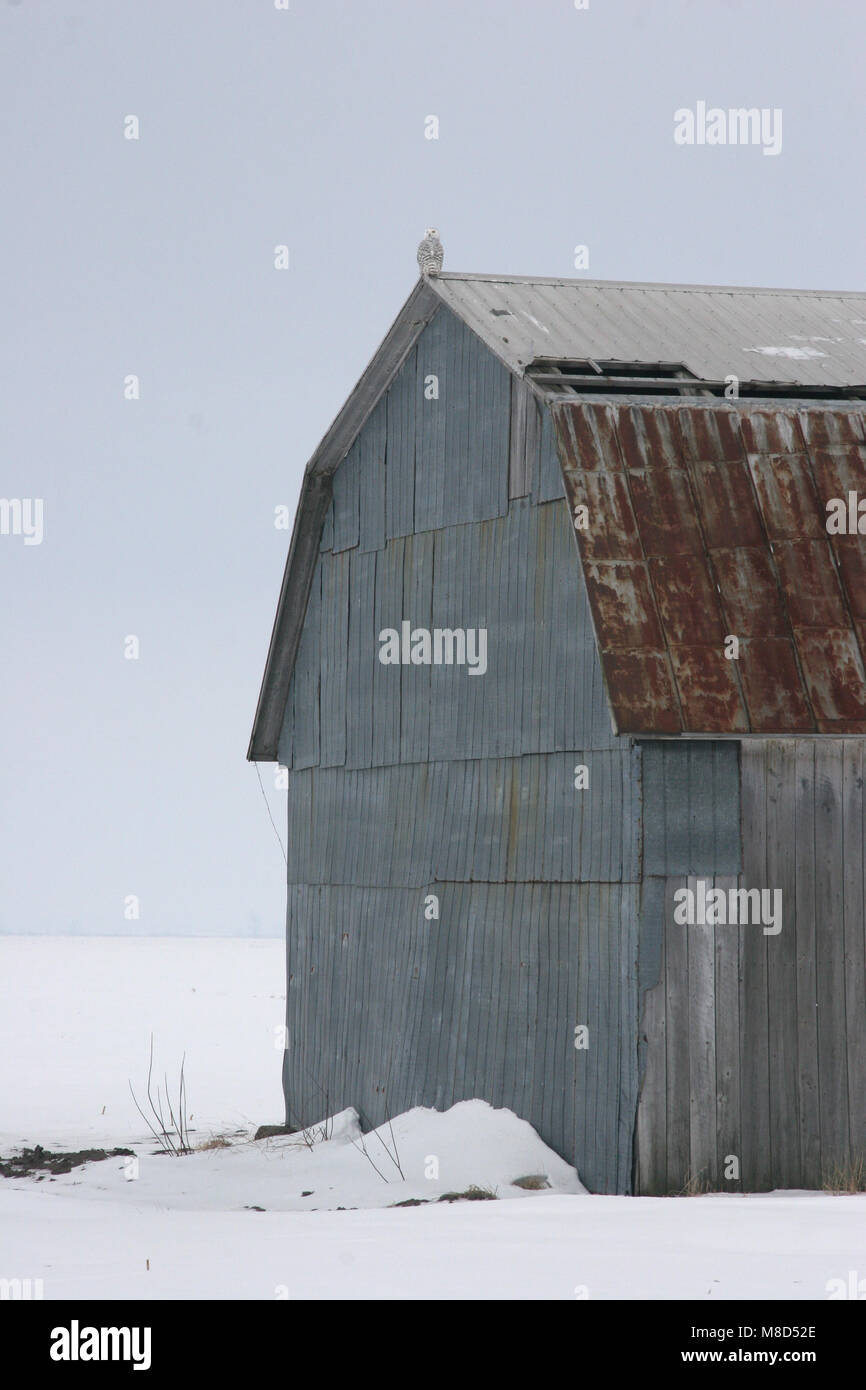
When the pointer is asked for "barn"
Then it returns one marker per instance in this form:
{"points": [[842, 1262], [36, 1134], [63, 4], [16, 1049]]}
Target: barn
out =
{"points": [[568, 676]]}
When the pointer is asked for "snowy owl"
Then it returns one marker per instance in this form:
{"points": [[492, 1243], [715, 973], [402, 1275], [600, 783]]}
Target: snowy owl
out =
{"points": [[430, 253]]}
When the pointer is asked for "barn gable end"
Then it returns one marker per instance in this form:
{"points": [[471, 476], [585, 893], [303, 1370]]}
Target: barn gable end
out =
{"points": [[423, 780]]}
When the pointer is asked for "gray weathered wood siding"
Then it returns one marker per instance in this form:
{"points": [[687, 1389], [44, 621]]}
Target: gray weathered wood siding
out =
{"points": [[417, 780], [691, 827], [755, 1045]]}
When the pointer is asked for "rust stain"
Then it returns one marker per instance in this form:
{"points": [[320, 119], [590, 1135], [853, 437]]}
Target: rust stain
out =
{"points": [[687, 600], [825, 428], [611, 531], [772, 686], [850, 553], [664, 512], [786, 495], [772, 432], [810, 584], [650, 438], [708, 690], [838, 472], [622, 604], [592, 438], [727, 505], [643, 693], [834, 673], [711, 433], [750, 592]]}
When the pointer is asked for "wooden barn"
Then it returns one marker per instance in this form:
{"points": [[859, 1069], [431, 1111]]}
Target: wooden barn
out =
{"points": [[568, 674]]}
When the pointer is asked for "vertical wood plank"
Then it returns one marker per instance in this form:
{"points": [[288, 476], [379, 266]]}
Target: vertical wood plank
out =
{"points": [[854, 825], [387, 679], [629, 1042], [517, 480], [372, 484], [334, 653], [807, 964], [727, 1006], [346, 503], [782, 965], [829, 879], [677, 1044], [306, 682], [754, 1037], [700, 945], [400, 463], [363, 649]]}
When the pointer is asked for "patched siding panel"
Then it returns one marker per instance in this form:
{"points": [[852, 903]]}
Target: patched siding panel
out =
{"points": [[488, 820], [691, 807]]}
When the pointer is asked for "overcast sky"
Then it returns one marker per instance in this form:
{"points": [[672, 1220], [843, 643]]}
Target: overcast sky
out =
{"points": [[155, 257]]}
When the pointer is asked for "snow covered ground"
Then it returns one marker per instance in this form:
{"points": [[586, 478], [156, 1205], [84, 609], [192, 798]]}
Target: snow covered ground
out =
{"points": [[261, 1220]]}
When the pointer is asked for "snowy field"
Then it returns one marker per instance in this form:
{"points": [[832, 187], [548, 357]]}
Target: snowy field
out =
{"points": [[261, 1220]]}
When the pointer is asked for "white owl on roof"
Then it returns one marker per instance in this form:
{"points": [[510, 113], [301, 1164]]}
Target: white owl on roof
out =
{"points": [[430, 253]]}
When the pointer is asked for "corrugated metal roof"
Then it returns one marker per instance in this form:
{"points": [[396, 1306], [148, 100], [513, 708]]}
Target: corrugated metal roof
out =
{"points": [[709, 521], [806, 336]]}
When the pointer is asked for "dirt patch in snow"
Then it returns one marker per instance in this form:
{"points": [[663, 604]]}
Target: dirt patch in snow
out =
{"points": [[39, 1160]]}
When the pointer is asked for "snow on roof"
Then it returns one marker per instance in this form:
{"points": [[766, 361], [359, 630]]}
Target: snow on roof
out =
{"points": [[810, 337]]}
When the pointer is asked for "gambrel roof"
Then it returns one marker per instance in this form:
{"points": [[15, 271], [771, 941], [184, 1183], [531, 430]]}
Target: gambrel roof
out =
{"points": [[799, 342]]}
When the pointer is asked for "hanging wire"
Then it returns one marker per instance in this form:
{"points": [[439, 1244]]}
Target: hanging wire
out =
{"points": [[270, 817]]}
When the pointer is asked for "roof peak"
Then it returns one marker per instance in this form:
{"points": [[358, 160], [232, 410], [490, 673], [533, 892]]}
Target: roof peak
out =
{"points": [[579, 281]]}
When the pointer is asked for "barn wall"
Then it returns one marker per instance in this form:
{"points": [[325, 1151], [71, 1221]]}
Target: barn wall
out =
{"points": [[756, 1044], [417, 780], [388, 1010]]}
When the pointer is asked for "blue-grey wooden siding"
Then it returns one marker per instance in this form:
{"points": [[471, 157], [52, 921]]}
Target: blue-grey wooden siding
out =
{"points": [[387, 1010], [518, 577], [488, 820], [412, 780]]}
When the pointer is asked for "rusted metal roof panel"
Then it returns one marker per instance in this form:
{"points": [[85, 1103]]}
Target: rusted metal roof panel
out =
{"points": [[709, 522], [709, 694]]}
